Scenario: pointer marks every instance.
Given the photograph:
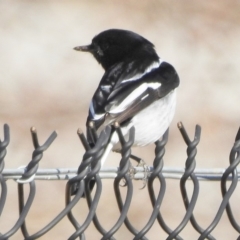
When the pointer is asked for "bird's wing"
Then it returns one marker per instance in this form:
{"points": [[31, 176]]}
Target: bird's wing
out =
{"points": [[136, 96], [130, 96]]}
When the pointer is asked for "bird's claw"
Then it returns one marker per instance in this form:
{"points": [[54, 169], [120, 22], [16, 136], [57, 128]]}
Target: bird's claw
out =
{"points": [[132, 172], [146, 172]]}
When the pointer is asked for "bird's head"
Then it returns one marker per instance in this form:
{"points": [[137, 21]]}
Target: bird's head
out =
{"points": [[114, 46]]}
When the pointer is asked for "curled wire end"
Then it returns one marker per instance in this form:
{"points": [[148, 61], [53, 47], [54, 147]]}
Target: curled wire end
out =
{"points": [[179, 125], [33, 130], [34, 137], [53, 136], [116, 125], [79, 131], [91, 124], [183, 132], [83, 139]]}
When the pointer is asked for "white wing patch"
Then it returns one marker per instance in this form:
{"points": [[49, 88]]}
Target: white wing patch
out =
{"points": [[132, 96], [129, 99], [144, 97], [154, 85], [149, 69]]}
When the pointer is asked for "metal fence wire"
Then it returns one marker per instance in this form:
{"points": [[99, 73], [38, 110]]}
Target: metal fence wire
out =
{"points": [[78, 181]]}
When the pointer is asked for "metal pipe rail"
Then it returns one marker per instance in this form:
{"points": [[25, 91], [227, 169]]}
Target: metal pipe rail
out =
{"points": [[202, 174]]}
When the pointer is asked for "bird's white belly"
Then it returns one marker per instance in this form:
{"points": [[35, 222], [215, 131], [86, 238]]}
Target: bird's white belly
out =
{"points": [[152, 122]]}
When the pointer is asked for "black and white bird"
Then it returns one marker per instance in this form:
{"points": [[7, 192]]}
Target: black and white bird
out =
{"points": [[137, 89]]}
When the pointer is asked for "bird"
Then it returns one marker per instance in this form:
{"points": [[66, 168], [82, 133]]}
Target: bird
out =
{"points": [[137, 89]]}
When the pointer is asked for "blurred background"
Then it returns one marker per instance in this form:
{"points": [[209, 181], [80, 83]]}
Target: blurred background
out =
{"points": [[46, 84]]}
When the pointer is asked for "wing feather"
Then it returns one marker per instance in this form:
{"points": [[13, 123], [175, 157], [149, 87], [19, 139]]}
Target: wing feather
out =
{"points": [[130, 96]]}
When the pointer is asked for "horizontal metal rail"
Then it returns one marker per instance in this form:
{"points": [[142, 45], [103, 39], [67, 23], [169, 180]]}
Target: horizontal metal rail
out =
{"points": [[214, 174]]}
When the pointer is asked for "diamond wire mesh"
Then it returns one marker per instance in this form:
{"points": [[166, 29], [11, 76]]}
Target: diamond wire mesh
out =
{"points": [[78, 182]]}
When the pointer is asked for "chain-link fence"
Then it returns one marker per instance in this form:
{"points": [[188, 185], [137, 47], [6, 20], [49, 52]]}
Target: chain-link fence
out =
{"points": [[79, 181]]}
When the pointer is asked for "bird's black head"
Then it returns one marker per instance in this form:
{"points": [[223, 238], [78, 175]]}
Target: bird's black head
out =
{"points": [[115, 46]]}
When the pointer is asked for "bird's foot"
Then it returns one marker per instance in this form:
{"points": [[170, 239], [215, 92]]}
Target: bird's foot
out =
{"points": [[131, 173], [142, 163]]}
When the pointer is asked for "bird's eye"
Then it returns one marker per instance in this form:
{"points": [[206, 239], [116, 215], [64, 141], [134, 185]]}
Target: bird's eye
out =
{"points": [[104, 46], [100, 51]]}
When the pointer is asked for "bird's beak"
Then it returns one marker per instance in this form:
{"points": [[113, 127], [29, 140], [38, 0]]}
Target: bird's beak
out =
{"points": [[87, 48]]}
